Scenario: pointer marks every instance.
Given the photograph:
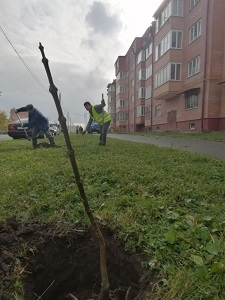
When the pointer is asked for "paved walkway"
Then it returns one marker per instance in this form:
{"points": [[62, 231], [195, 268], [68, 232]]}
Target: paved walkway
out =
{"points": [[212, 148]]}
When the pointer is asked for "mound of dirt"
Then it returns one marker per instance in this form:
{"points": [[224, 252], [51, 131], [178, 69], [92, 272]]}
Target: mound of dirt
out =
{"points": [[43, 261]]}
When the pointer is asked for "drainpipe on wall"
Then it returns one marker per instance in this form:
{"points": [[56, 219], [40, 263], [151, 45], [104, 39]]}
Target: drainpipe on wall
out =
{"points": [[205, 66]]}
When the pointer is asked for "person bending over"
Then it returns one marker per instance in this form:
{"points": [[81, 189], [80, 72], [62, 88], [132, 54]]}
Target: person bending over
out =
{"points": [[37, 122], [98, 114]]}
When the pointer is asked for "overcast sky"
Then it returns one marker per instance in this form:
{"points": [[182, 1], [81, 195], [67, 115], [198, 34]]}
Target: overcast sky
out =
{"points": [[82, 40]]}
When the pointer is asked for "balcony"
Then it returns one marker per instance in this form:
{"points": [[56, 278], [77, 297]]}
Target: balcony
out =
{"points": [[168, 90], [121, 122], [140, 120]]}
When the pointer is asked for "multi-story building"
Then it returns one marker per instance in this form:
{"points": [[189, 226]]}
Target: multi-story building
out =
{"points": [[14, 117], [172, 78]]}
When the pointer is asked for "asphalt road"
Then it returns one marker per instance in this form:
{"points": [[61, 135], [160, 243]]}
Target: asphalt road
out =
{"points": [[211, 148]]}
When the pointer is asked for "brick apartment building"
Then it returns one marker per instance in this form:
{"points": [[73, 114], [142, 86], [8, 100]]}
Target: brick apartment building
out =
{"points": [[13, 115], [173, 77]]}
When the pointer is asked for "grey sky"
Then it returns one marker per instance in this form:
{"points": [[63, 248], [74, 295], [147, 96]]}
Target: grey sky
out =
{"points": [[101, 22], [82, 40]]}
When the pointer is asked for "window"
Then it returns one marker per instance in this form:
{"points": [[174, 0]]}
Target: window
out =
{"points": [[140, 111], [121, 75], [149, 71], [148, 92], [141, 75], [132, 82], [173, 39], [158, 111], [141, 56], [121, 116], [111, 110], [191, 126], [191, 100], [176, 39], [120, 89], [177, 8], [159, 23], [132, 98], [158, 52], [163, 17], [141, 93], [174, 8], [194, 66], [175, 71], [193, 3], [112, 88], [195, 31], [172, 71], [148, 50], [120, 103], [148, 112]]}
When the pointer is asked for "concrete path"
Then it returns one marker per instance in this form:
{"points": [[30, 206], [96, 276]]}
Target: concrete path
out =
{"points": [[211, 148], [5, 137]]}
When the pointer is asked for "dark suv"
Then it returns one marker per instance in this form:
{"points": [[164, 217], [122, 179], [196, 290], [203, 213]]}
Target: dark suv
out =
{"points": [[95, 127]]}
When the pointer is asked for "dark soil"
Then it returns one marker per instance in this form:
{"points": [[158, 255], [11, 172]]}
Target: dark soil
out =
{"points": [[42, 261]]}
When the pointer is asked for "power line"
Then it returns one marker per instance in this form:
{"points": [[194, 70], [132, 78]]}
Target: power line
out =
{"points": [[23, 60], [80, 115]]}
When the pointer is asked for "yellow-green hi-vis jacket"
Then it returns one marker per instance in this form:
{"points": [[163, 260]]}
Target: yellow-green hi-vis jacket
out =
{"points": [[99, 118]]}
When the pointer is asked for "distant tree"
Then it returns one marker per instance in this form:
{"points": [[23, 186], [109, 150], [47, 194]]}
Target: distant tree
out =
{"points": [[3, 121]]}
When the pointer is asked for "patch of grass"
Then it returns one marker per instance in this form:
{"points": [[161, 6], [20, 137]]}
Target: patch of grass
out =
{"points": [[166, 203]]}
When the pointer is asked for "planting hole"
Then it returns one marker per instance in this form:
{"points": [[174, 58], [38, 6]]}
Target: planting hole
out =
{"points": [[61, 265]]}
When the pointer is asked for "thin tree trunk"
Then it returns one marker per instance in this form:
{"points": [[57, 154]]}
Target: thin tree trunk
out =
{"points": [[104, 295]]}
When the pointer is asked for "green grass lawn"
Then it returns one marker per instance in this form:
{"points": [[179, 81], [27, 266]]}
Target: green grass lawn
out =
{"points": [[165, 203]]}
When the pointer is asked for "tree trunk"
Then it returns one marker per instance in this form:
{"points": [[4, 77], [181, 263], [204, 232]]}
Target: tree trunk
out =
{"points": [[104, 294]]}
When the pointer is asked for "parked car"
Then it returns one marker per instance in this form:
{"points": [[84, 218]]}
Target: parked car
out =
{"points": [[95, 127], [16, 131], [54, 129]]}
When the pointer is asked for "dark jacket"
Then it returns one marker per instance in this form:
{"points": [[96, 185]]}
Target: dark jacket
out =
{"points": [[36, 119]]}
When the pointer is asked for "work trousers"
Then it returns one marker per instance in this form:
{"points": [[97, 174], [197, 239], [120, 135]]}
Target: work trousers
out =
{"points": [[47, 133], [103, 133]]}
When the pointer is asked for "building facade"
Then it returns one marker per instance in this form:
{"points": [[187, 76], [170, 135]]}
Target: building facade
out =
{"points": [[173, 77], [111, 93], [13, 116]]}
